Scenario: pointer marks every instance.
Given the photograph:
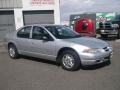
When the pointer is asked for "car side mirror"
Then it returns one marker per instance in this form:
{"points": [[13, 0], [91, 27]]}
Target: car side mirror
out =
{"points": [[47, 38]]}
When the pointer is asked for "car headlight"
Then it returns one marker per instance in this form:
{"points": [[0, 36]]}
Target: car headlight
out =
{"points": [[115, 25], [102, 31], [94, 50]]}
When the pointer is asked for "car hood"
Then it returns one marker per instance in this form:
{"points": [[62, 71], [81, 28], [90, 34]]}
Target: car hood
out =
{"points": [[88, 42]]}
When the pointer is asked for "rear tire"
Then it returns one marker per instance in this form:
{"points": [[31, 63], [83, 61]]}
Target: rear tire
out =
{"points": [[70, 60], [13, 53]]}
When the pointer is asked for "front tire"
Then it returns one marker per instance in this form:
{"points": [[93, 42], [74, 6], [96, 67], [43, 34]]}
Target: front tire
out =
{"points": [[13, 53], [70, 60]]}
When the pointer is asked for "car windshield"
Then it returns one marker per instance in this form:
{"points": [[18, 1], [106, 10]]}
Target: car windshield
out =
{"points": [[116, 18], [62, 32]]}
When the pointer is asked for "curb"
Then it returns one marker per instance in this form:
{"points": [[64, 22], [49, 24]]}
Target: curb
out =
{"points": [[2, 50], [118, 40], [1, 44]]}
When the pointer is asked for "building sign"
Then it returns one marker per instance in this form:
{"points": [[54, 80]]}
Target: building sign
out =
{"points": [[103, 17], [42, 2]]}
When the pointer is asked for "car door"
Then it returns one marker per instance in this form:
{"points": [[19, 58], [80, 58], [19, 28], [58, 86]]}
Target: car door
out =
{"points": [[23, 40], [40, 47]]}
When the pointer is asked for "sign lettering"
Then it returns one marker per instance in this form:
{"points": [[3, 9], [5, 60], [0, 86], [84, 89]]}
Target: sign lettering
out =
{"points": [[42, 2]]}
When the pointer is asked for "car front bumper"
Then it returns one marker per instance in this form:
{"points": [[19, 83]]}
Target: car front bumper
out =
{"points": [[96, 59], [109, 32], [94, 62]]}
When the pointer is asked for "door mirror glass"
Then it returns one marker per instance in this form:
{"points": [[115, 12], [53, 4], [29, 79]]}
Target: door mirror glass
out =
{"points": [[47, 38]]}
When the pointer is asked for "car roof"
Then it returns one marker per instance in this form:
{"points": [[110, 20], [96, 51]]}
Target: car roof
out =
{"points": [[42, 25]]}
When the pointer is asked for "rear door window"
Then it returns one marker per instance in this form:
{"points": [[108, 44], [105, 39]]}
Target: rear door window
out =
{"points": [[24, 32]]}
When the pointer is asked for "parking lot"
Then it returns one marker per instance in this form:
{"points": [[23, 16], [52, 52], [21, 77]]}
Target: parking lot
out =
{"points": [[35, 74]]}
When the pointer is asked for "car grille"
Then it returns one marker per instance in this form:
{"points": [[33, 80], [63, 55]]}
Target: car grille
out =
{"points": [[105, 26], [108, 57], [108, 25], [106, 49]]}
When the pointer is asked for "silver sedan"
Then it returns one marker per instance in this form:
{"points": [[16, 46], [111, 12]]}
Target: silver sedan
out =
{"points": [[57, 43]]}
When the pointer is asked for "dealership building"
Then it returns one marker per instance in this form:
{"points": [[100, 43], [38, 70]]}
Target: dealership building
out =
{"points": [[17, 13]]}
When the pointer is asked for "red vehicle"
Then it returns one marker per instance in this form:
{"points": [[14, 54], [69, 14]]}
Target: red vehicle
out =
{"points": [[85, 24], [85, 27]]}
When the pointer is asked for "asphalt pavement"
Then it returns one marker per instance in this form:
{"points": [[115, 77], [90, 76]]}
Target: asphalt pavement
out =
{"points": [[36, 74]]}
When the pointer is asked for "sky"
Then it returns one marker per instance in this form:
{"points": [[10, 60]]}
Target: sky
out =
{"points": [[69, 7]]}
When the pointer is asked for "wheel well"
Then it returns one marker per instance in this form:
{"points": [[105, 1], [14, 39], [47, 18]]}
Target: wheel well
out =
{"points": [[62, 50], [10, 44]]}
